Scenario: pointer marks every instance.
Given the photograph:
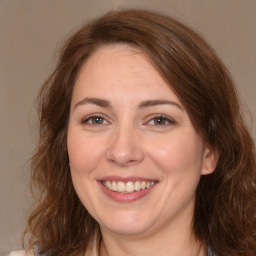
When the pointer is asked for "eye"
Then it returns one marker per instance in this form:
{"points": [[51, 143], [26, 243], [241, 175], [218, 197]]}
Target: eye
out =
{"points": [[161, 120], [94, 120]]}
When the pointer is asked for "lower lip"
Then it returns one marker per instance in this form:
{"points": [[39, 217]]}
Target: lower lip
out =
{"points": [[126, 197]]}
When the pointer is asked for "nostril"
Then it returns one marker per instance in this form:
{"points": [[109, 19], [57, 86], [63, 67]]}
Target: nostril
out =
{"points": [[124, 151], [123, 162]]}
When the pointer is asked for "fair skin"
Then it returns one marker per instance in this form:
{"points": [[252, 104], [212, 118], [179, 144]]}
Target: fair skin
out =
{"points": [[129, 131]]}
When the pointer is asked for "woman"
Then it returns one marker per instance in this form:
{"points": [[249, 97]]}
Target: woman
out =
{"points": [[143, 149]]}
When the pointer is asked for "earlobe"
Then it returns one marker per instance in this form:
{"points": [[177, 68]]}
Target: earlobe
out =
{"points": [[210, 160]]}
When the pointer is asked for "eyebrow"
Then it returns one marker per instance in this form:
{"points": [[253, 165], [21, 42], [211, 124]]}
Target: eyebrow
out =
{"points": [[96, 101], [155, 102], [144, 104]]}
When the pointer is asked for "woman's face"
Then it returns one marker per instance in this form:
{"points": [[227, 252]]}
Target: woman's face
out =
{"points": [[135, 157]]}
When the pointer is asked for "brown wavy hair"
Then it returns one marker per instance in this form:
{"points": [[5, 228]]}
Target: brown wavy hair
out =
{"points": [[225, 209]]}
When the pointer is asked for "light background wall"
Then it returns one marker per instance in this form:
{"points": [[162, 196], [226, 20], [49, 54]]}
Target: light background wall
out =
{"points": [[30, 32]]}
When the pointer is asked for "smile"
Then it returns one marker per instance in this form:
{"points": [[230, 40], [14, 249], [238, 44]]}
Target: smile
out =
{"points": [[127, 187]]}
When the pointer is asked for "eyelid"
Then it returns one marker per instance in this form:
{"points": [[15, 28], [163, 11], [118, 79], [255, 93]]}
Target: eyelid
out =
{"points": [[86, 118], [167, 118], [149, 118]]}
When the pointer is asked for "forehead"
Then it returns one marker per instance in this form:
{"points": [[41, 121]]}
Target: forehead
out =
{"points": [[121, 70]]}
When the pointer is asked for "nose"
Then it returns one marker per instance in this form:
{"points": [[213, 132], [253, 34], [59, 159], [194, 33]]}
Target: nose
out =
{"points": [[125, 148]]}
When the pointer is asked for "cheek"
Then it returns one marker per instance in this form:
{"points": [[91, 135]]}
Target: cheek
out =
{"points": [[178, 154], [84, 156], [84, 152]]}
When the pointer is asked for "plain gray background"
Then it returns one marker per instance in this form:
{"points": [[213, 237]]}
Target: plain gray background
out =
{"points": [[30, 33]]}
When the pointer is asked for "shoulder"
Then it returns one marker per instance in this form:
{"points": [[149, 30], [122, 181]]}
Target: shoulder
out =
{"points": [[21, 253]]}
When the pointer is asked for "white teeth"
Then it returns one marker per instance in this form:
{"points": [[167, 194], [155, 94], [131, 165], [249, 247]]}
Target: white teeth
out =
{"points": [[143, 185], [120, 186], [137, 186], [114, 186], [108, 184], [128, 187]]}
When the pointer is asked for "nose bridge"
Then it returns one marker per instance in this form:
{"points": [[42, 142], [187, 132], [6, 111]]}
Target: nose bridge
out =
{"points": [[125, 148]]}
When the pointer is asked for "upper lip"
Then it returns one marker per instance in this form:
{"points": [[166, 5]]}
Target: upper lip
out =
{"points": [[125, 179]]}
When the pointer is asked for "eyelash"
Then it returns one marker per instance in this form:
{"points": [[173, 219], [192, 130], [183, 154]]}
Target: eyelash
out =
{"points": [[167, 120], [86, 120]]}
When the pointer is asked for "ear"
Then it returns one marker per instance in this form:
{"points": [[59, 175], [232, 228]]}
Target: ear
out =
{"points": [[210, 160]]}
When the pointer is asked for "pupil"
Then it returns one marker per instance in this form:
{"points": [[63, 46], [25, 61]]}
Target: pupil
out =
{"points": [[160, 121], [97, 120]]}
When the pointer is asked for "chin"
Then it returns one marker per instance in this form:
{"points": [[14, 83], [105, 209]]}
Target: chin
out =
{"points": [[127, 230], [128, 225]]}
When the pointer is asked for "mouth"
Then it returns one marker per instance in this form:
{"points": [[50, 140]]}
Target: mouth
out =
{"points": [[126, 189], [129, 186]]}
